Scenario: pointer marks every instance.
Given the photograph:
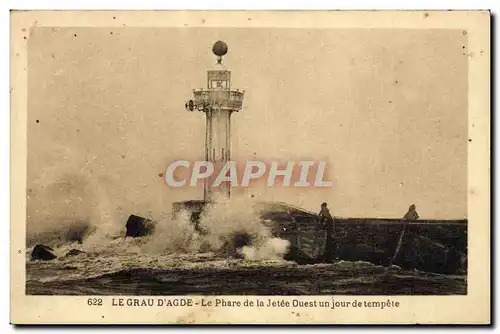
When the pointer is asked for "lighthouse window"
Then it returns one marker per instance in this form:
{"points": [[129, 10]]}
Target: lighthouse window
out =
{"points": [[218, 84]]}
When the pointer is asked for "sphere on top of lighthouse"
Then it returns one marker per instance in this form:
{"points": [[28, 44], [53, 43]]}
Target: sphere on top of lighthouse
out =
{"points": [[219, 48]]}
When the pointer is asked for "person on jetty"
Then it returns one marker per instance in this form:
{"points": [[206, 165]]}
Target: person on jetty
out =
{"points": [[325, 213], [411, 214], [327, 222]]}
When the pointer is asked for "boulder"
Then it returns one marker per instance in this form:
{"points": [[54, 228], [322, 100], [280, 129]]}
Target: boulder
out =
{"points": [[297, 255], [233, 245], [241, 239], [74, 252], [139, 226], [43, 253]]}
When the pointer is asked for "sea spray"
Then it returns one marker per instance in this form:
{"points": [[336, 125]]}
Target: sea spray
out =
{"points": [[173, 235], [63, 214], [104, 219], [271, 249], [67, 203], [225, 219], [236, 217], [226, 227]]}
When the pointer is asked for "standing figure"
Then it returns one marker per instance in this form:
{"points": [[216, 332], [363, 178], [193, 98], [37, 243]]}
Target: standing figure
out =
{"points": [[325, 213], [411, 215], [327, 222]]}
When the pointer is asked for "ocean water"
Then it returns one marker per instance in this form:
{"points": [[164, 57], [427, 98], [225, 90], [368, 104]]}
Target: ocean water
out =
{"points": [[123, 267], [177, 260]]}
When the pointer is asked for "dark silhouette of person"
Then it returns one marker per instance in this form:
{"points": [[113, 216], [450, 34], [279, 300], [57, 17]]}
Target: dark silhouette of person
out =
{"points": [[411, 253], [411, 214], [325, 213], [328, 223]]}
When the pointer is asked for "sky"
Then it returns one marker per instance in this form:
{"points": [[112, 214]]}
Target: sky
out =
{"points": [[387, 110]]}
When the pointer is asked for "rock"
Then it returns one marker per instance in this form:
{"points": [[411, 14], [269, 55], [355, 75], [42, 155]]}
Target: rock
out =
{"points": [[43, 253], [233, 245], [241, 239], [297, 255], [74, 252], [139, 226]]}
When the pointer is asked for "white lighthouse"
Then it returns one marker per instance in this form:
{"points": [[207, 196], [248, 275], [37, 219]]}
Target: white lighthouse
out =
{"points": [[218, 101]]}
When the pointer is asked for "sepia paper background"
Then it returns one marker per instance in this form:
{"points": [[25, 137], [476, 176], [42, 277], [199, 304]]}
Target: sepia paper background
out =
{"points": [[471, 27]]}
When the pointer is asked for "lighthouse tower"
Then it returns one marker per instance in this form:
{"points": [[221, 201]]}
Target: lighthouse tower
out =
{"points": [[218, 101]]}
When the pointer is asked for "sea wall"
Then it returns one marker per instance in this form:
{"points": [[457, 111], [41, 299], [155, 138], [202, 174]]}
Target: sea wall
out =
{"points": [[432, 245], [438, 246]]}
